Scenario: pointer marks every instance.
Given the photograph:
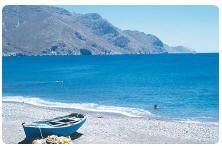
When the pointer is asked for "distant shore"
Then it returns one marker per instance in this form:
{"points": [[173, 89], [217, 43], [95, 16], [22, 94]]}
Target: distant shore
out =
{"points": [[108, 128], [39, 55]]}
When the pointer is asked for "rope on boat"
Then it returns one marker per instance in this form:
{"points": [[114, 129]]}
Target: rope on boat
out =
{"points": [[40, 132]]}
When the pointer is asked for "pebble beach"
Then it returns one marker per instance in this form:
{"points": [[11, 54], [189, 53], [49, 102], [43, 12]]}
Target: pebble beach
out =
{"points": [[103, 128]]}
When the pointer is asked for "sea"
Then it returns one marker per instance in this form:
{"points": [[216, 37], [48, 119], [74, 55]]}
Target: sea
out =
{"points": [[182, 86]]}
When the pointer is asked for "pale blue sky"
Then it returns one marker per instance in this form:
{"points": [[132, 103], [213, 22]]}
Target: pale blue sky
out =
{"points": [[196, 27]]}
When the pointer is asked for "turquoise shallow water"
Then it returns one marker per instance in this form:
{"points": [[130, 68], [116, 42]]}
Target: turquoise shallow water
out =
{"points": [[184, 86]]}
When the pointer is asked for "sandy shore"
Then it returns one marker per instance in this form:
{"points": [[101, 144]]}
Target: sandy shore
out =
{"points": [[108, 129]]}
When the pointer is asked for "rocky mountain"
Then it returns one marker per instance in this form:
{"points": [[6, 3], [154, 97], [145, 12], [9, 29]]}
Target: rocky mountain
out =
{"points": [[178, 49], [47, 30]]}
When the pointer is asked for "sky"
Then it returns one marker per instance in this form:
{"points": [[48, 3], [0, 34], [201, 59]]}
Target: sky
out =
{"points": [[195, 27]]}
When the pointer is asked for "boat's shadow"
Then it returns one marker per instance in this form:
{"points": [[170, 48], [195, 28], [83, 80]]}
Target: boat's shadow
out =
{"points": [[73, 136]]}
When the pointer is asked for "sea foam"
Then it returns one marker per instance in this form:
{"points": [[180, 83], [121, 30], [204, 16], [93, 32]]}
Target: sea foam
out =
{"points": [[127, 111]]}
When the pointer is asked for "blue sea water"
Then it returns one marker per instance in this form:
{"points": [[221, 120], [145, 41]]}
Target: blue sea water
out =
{"points": [[184, 86]]}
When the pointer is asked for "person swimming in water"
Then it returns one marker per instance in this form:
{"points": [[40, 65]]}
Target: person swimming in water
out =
{"points": [[155, 106]]}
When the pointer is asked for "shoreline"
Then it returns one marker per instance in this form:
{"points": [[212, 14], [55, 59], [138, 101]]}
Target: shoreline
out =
{"points": [[49, 55], [101, 109], [108, 128]]}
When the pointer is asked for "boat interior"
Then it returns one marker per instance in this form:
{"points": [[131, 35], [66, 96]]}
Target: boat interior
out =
{"points": [[60, 121], [63, 122]]}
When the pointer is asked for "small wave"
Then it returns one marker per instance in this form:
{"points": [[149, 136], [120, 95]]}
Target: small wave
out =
{"points": [[127, 111], [196, 121], [45, 82], [38, 82], [58, 81]]}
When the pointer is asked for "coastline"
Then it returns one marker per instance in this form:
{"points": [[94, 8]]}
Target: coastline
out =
{"points": [[108, 128], [73, 55]]}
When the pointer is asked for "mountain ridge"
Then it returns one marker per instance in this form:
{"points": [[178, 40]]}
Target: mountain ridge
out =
{"points": [[48, 30]]}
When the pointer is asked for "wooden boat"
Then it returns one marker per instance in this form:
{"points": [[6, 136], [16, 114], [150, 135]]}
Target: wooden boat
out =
{"points": [[60, 126]]}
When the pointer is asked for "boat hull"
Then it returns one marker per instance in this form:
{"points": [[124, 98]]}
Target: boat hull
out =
{"points": [[38, 132]]}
